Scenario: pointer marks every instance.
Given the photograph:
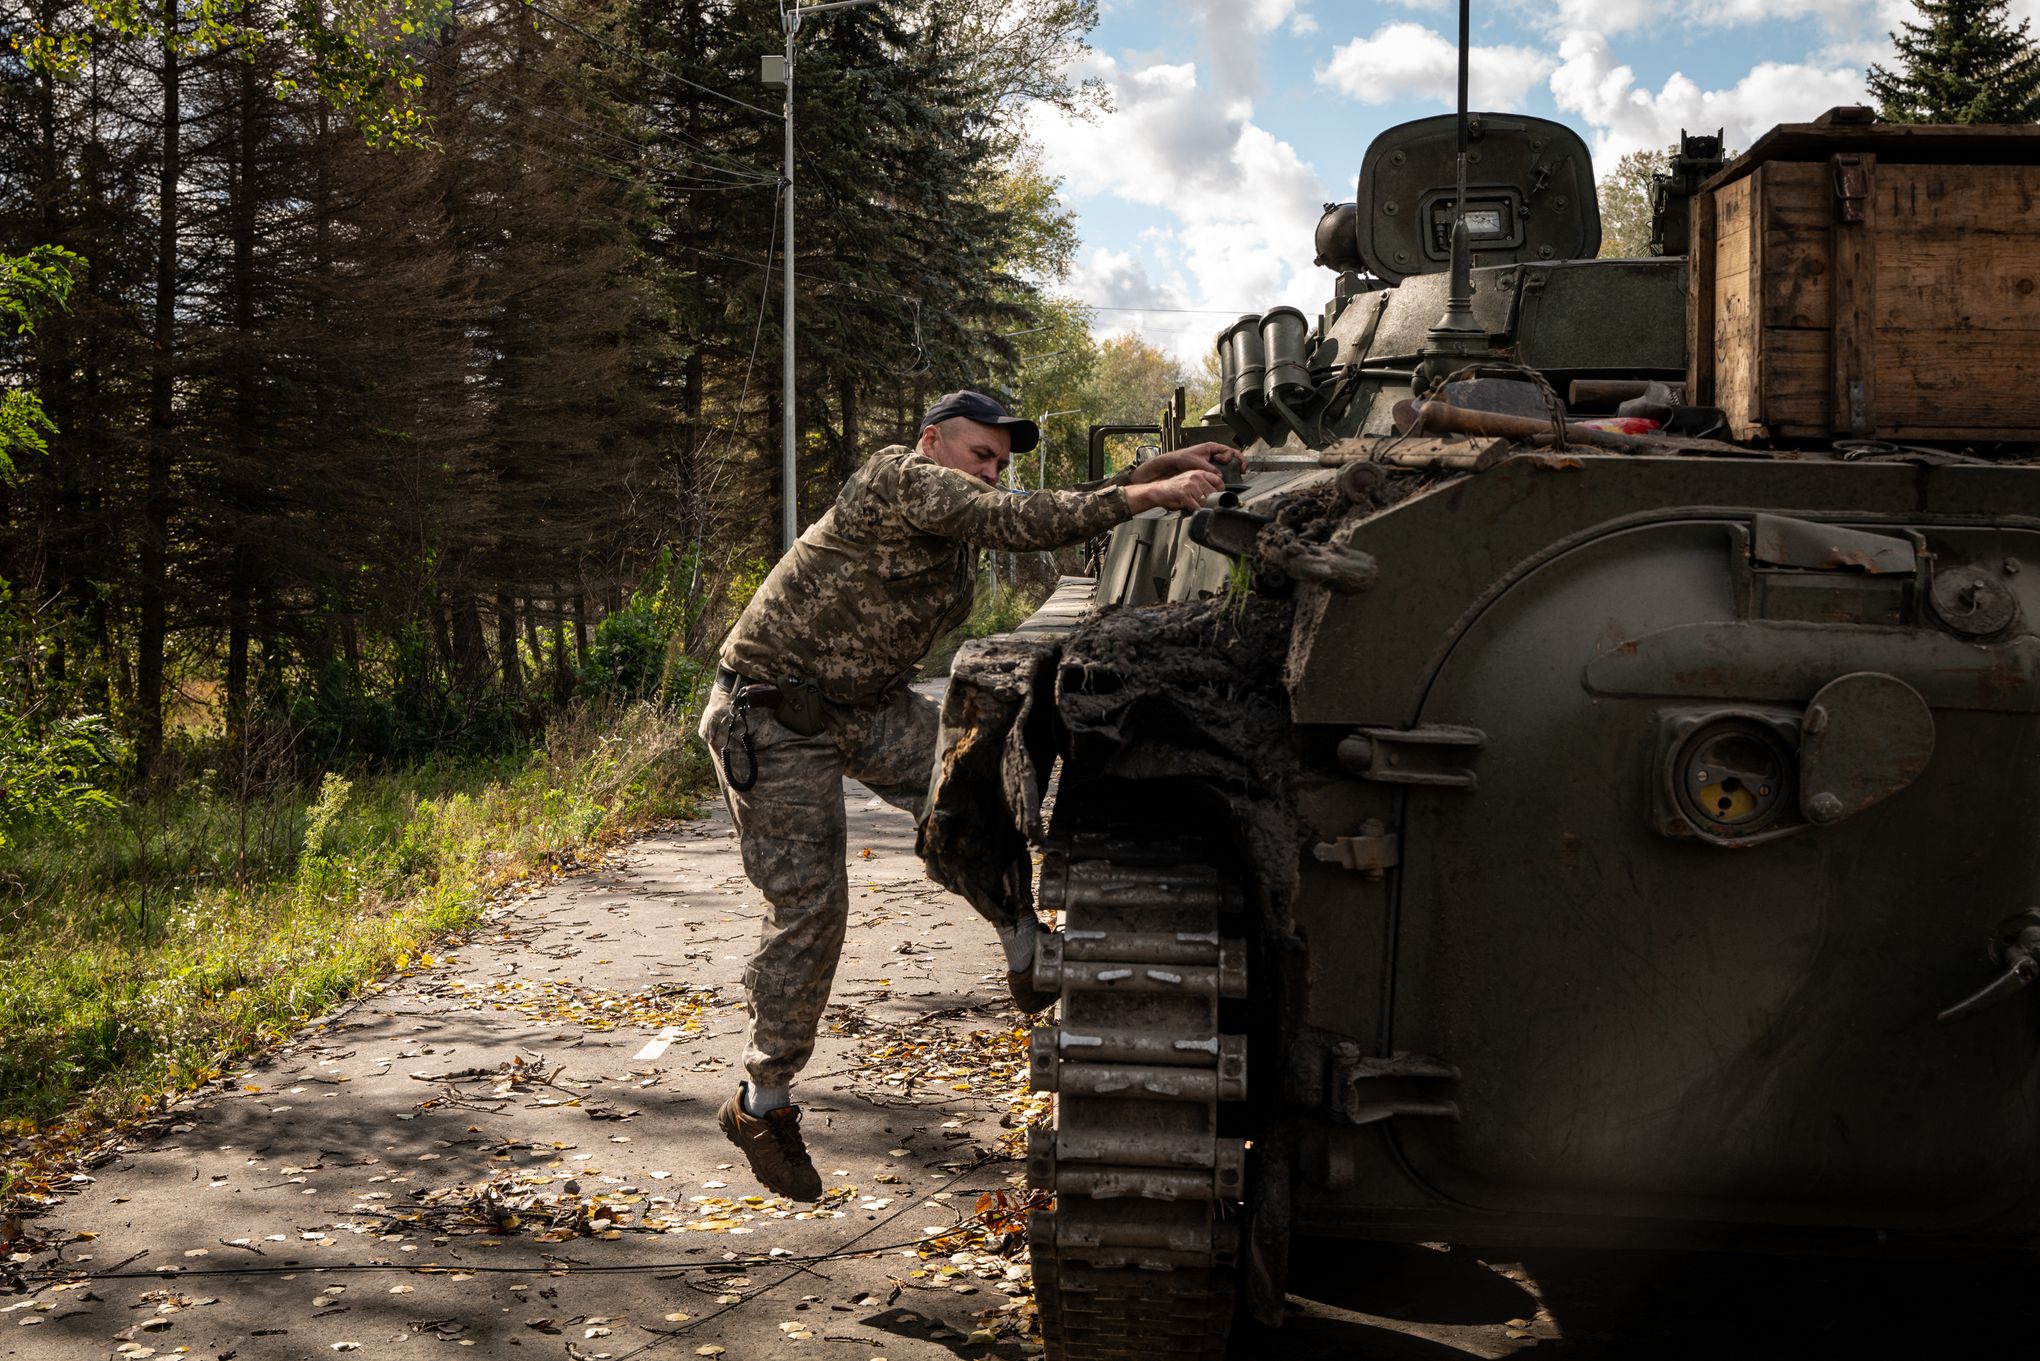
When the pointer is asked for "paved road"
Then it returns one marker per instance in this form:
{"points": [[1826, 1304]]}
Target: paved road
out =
{"points": [[578, 1047], [532, 1118]]}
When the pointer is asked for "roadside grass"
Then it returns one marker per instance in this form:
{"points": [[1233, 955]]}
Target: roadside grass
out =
{"points": [[169, 942], [997, 609], [1001, 608]]}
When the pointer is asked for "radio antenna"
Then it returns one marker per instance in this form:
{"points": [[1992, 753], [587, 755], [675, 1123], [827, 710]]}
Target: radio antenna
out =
{"points": [[1458, 339], [1465, 9]]}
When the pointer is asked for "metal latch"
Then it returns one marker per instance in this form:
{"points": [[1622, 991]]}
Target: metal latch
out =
{"points": [[1430, 753], [1371, 853], [1852, 186]]}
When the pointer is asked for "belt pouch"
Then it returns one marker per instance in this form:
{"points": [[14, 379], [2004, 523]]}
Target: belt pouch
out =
{"points": [[800, 707]]}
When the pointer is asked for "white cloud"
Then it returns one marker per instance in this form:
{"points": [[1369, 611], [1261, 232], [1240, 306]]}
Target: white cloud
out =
{"points": [[1609, 16], [1259, 16], [1671, 16], [1859, 54], [1407, 60], [1591, 83], [1234, 206], [1233, 32], [1303, 23], [1842, 19], [1164, 136], [1835, 14], [1115, 281]]}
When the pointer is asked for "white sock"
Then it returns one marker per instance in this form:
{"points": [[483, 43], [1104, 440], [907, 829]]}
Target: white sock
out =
{"points": [[1018, 942], [759, 1100]]}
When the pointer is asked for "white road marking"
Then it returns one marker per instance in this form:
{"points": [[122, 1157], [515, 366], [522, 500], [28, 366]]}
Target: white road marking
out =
{"points": [[658, 1046]]}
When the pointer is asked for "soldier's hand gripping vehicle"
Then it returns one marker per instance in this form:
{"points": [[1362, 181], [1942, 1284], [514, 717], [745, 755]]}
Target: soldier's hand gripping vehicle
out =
{"points": [[1490, 823]]}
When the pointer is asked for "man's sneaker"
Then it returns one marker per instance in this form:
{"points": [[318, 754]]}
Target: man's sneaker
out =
{"points": [[772, 1145], [1027, 997]]}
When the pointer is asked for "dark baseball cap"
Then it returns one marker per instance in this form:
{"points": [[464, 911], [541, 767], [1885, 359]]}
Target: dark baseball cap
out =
{"points": [[982, 409]]}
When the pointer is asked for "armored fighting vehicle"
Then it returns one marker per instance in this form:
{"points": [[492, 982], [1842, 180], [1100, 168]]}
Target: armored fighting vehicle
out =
{"points": [[1580, 786]]}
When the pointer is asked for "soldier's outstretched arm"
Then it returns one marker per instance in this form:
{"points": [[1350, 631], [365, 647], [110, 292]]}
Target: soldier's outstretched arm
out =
{"points": [[1184, 491], [1209, 456], [938, 500]]}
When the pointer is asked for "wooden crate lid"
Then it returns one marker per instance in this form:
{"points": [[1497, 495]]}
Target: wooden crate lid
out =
{"points": [[1850, 128]]}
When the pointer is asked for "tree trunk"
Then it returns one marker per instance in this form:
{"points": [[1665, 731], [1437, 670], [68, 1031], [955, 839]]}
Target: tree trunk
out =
{"points": [[581, 628], [506, 642], [350, 647], [531, 639], [154, 589], [87, 445], [470, 649], [692, 510], [55, 370], [442, 633], [563, 685], [241, 477], [239, 588], [853, 433]]}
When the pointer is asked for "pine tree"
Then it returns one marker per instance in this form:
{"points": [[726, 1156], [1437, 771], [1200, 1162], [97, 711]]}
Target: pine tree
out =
{"points": [[1964, 63]]}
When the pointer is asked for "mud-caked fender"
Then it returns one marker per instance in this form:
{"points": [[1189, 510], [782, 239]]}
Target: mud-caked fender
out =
{"points": [[992, 755]]}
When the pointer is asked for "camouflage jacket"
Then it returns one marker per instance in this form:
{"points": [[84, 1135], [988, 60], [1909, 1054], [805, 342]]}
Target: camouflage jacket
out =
{"points": [[892, 567]]}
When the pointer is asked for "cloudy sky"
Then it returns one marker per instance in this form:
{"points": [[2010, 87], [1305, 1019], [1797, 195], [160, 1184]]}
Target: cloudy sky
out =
{"points": [[1235, 121]]}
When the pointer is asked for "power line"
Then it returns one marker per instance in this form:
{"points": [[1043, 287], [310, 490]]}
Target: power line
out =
{"points": [[757, 333], [651, 166], [758, 328], [843, 1249], [811, 278], [708, 171], [710, 158], [1187, 311], [1172, 330], [646, 62], [709, 188]]}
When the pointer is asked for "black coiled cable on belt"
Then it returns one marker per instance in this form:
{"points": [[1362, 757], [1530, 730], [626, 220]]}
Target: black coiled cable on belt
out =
{"points": [[738, 727]]}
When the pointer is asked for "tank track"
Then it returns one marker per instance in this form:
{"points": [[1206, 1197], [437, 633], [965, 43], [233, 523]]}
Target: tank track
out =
{"points": [[1141, 1248]]}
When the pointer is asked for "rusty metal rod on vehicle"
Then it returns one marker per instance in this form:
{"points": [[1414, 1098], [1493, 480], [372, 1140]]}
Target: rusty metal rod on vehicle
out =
{"points": [[1605, 391], [1443, 418]]}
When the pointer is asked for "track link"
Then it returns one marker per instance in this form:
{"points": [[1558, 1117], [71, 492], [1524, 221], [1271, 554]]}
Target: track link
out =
{"points": [[1140, 1250]]}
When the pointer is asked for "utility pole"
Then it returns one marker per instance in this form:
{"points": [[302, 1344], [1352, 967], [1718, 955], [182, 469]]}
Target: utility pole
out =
{"points": [[789, 19], [1041, 424], [1013, 481]]}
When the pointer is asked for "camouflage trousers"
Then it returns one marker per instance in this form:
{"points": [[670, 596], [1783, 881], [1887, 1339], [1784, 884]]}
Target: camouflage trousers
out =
{"points": [[791, 826]]}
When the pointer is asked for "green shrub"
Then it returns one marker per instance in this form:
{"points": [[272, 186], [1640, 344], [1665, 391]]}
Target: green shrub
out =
{"points": [[199, 929], [1000, 609], [640, 651], [53, 777]]}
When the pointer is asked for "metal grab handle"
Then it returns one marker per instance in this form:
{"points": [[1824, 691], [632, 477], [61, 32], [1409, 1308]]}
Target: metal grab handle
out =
{"points": [[2017, 947]]}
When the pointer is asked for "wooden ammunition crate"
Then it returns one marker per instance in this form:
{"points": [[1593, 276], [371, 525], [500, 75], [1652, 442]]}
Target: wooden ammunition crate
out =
{"points": [[1858, 280]]}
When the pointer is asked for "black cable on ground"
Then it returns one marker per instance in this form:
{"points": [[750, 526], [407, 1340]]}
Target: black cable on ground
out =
{"points": [[846, 1250], [663, 1336]]}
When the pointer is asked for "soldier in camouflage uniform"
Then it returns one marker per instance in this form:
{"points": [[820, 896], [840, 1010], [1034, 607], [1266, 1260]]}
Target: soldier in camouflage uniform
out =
{"points": [[813, 686]]}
